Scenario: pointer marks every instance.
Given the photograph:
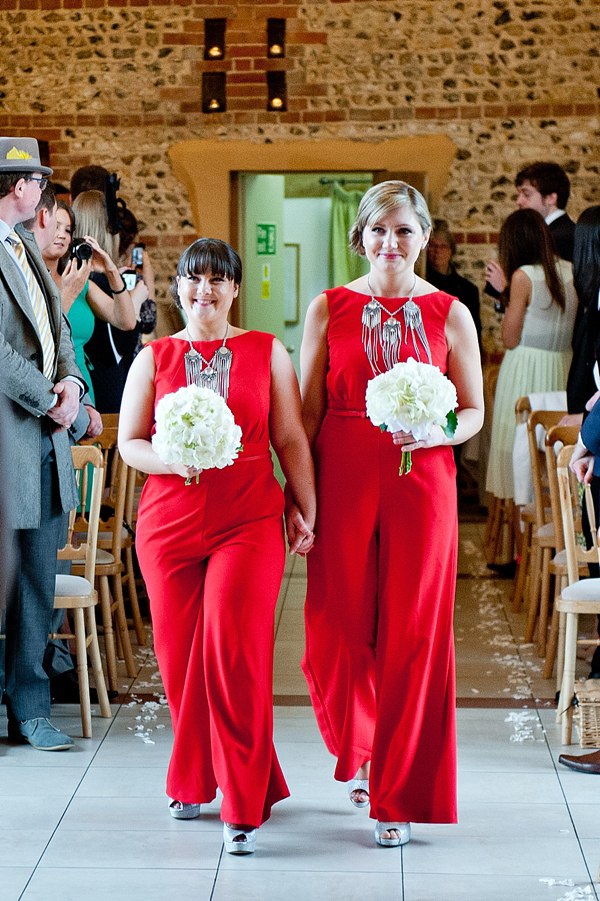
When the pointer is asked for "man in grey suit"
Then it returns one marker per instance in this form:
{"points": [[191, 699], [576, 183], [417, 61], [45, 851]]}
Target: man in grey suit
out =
{"points": [[43, 384]]}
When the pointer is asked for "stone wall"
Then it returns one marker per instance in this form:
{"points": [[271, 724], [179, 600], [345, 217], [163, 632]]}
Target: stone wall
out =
{"points": [[116, 82]]}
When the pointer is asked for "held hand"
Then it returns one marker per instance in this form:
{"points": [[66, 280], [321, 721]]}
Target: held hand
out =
{"points": [[582, 463], [139, 294], [180, 469], [592, 401], [73, 281], [100, 262], [407, 442], [495, 276], [65, 410], [95, 427], [299, 535]]}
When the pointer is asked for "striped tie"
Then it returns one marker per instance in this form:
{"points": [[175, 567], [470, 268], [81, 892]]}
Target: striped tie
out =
{"points": [[39, 304]]}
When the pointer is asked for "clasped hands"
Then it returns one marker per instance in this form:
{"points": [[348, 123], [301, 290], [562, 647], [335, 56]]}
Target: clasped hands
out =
{"points": [[300, 536], [65, 410]]}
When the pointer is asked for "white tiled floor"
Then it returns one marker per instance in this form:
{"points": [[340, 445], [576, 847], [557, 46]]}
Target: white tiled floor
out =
{"points": [[92, 823]]}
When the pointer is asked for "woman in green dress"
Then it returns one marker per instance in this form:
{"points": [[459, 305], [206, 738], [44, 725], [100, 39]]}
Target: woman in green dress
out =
{"points": [[82, 300]]}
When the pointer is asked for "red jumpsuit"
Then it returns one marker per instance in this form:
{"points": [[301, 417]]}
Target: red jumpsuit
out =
{"points": [[212, 556], [379, 657]]}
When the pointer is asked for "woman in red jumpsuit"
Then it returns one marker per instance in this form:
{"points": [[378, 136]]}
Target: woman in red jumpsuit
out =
{"points": [[379, 646], [212, 552]]}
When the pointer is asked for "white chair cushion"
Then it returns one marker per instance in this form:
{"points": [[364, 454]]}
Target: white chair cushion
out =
{"points": [[71, 586], [103, 556], [584, 590]]}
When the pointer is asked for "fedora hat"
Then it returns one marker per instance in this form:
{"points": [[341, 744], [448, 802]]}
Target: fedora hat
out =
{"points": [[21, 155]]}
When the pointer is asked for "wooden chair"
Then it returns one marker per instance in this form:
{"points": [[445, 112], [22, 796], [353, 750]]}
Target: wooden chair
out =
{"points": [[543, 542], [128, 538], [579, 596], [77, 593], [498, 539], [522, 412], [557, 437], [110, 423], [109, 564]]}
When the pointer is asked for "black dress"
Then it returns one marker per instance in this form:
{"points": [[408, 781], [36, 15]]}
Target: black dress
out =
{"points": [[111, 350]]}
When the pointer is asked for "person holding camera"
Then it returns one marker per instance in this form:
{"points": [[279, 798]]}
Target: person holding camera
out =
{"points": [[71, 262], [137, 271], [107, 366]]}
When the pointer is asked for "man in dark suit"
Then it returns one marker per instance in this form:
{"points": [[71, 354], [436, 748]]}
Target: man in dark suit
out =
{"points": [[43, 385], [544, 187]]}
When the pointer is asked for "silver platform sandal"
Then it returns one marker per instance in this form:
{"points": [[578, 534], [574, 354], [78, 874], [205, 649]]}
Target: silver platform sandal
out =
{"points": [[182, 811], [403, 830], [237, 841]]}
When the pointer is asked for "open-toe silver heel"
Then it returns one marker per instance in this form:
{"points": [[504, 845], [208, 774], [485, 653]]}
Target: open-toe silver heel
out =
{"points": [[358, 785], [238, 841], [403, 830], [182, 811]]}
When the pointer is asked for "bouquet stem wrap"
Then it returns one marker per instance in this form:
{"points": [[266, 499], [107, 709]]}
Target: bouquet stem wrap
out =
{"points": [[412, 397]]}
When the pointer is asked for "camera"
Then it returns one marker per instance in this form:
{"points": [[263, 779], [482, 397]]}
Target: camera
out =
{"points": [[81, 251], [130, 277], [137, 255]]}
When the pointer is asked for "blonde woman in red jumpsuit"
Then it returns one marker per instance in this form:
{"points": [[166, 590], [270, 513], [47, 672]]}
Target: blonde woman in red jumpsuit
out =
{"points": [[212, 552], [379, 655]]}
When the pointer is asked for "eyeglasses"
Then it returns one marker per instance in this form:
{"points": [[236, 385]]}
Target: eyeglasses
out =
{"points": [[42, 182]]}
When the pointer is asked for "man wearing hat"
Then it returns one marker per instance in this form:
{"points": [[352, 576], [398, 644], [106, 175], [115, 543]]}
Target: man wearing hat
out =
{"points": [[43, 384]]}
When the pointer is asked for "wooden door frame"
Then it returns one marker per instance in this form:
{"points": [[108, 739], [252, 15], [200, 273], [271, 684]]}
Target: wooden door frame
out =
{"points": [[208, 169]]}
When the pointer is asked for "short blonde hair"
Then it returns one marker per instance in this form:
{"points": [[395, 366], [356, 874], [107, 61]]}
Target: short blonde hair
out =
{"points": [[91, 219], [382, 199]]}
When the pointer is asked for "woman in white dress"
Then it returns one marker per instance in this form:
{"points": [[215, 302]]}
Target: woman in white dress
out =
{"points": [[537, 331]]}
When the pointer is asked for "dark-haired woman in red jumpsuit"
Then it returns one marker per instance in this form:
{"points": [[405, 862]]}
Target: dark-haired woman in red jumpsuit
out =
{"points": [[212, 552], [379, 655]]}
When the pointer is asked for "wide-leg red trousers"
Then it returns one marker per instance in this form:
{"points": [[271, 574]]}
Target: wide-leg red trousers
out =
{"points": [[213, 581], [379, 655]]}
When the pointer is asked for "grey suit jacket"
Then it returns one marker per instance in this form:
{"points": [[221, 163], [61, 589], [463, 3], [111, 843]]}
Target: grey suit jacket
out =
{"points": [[29, 392]]}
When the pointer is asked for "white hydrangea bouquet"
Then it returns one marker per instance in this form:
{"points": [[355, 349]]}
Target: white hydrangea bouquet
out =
{"points": [[194, 426], [412, 397]]}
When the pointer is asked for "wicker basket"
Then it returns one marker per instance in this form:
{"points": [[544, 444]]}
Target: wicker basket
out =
{"points": [[587, 713]]}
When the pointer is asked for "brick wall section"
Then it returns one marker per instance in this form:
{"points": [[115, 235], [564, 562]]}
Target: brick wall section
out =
{"points": [[118, 81]]}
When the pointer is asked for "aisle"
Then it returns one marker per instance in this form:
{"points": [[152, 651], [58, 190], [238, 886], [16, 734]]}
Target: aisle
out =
{"points": [[92, 823]]}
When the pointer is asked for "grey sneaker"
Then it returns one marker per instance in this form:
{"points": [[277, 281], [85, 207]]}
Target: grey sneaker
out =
{"points": [[41, 734]]}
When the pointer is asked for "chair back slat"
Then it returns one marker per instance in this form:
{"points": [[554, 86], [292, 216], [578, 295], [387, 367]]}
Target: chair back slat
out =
{"points": [[546, 419], [84, 456], [570, 507], [556, 437], [522, 409]]}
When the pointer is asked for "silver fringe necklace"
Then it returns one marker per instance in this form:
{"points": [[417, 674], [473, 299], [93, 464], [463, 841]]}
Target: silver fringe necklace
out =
{"points": [[389, 335], [213, 374]]}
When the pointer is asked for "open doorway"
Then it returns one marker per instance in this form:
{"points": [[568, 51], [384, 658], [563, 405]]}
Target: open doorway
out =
{"points": [[292, 235], [292, 232]]}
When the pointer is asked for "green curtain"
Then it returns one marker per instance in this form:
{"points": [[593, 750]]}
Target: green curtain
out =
{"points": [[344, 264]]}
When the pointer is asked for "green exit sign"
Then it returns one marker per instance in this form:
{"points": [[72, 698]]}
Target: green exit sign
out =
{"points": [[265, 239]]}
